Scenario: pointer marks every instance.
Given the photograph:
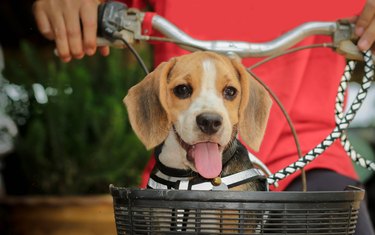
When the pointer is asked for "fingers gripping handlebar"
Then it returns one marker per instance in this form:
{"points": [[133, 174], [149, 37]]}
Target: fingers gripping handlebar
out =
{"points": [[116, 18]]}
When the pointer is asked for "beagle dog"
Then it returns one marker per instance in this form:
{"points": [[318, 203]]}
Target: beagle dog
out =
{"points": [[191, 110]]}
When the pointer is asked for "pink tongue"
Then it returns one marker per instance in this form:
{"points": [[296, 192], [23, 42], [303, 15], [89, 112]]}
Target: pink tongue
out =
{"points": [[207, 159]]}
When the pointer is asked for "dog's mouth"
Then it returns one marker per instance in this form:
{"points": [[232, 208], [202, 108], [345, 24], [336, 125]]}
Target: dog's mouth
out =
{"points": [[205, 156]]}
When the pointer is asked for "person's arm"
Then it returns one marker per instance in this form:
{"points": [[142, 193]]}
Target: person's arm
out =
{"points": [[72, 24], [365, 26]]}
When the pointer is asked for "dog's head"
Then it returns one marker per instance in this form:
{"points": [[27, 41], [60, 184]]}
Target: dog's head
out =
{"points": [[202, 99]]}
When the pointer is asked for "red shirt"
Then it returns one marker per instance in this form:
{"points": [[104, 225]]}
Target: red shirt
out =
{"points": [[306, 82]]}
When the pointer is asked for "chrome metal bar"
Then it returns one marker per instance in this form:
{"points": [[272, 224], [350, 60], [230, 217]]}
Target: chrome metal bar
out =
{"points": [[246, 49]]}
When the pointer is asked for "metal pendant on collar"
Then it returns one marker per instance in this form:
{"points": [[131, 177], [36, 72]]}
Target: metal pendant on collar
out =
{"points": [[218, 184]]}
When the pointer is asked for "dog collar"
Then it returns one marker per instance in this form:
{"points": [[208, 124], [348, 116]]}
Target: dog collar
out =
{"points": [[162, 181], [172, 178]]}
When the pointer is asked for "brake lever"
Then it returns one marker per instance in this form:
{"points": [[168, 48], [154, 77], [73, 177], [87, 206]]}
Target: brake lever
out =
{"points": [[117, 18], [344, 40]]}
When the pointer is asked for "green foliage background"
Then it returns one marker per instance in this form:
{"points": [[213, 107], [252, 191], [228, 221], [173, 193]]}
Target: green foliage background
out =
{"points": [[80, 141]]}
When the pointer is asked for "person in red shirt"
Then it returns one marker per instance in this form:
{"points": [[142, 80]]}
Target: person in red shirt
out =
{"points": [[306, 82]]}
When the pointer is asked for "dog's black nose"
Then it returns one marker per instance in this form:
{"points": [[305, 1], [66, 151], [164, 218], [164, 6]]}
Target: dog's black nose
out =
{"points": [[209, 123]]}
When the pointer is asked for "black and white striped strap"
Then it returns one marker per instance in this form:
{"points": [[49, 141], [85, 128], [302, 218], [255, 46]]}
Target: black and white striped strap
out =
{"points": [[230, 181]]}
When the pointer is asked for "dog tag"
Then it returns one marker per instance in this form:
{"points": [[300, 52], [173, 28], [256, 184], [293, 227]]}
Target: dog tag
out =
{"points": [[218, 184]]}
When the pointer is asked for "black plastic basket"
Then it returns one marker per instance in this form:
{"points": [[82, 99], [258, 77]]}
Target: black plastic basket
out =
{"points": [[150, 211]]}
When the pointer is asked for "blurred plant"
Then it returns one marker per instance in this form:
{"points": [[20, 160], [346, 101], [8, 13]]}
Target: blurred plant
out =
{"points": [[8, 129], [75, 137]]}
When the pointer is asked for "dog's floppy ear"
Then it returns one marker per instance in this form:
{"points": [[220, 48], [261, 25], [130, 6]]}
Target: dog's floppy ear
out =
{"points": [[145, 103], [254, 108]]}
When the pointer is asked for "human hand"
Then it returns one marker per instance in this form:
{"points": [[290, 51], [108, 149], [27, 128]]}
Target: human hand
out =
{"points": [[72, 24], [365, 26]]}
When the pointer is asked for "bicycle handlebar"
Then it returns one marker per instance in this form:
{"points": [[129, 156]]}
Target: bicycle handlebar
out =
{"points": [[128, 23], [245, 49]]}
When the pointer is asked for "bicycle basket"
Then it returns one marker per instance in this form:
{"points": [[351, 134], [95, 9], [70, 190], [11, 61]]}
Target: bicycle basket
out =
{"points": [[152, 211]]}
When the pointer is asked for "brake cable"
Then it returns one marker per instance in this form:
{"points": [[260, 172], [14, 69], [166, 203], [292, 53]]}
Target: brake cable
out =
{"points": [[118, 36], [279, 103]]}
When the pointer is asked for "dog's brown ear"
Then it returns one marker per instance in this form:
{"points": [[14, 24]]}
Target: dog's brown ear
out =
{"points": [[145, 103], [254, 108]]}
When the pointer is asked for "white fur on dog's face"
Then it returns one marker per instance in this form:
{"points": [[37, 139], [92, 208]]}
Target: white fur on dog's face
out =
{"points": [[209, 99], [208, 79]]}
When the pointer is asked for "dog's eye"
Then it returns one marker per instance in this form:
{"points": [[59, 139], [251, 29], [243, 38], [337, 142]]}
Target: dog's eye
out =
{"points": [[229, 92], [183, 91]]}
